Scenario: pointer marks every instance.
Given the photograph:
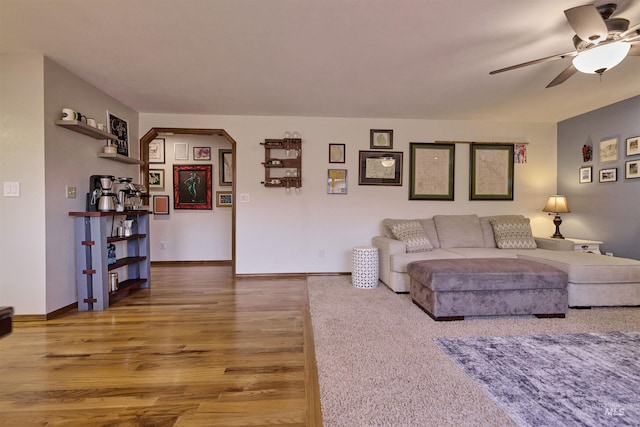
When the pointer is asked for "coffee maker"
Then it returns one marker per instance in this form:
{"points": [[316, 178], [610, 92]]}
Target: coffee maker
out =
{"points": [[100, 197], [129, 194]]}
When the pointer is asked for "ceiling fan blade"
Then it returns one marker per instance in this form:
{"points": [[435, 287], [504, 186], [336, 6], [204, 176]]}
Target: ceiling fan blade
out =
{"points": [[631, 33], [535, 61], [587, 22], [563, 76], [635, 50]]}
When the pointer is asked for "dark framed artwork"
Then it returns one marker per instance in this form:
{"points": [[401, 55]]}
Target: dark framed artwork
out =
{"points": [[380, 168], [585, 174], [381, 139], [192, 186], [120, 128], [632, 146], [201, 153], [224, 199], [609, 175], [337, 153], [225, 160], [632, 169], [161, 205], [431, 174], [491, 172], [156, 151]]}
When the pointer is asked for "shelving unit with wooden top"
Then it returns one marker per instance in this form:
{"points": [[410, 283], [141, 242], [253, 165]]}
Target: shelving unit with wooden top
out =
{"points": [[92, 269], [282, 163]]}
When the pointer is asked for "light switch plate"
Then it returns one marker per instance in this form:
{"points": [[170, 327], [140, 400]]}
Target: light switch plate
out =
{"points": [[11, 189], [71, 192]]}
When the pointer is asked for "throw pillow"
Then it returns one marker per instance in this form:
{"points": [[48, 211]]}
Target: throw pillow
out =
{"points": [[513, 233], [412, 233]]}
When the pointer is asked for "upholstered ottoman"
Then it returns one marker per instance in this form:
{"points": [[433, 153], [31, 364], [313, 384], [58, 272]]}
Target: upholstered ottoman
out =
{"points": [[450, 289]]}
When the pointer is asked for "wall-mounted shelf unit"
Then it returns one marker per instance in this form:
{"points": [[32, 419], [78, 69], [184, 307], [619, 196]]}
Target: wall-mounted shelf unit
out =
{"points": [[85, 129], [120, 158], [282, 163], [92, 269]]}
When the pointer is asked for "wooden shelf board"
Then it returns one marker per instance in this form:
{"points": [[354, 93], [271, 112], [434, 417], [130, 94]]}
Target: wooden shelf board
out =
{"points": [[83, 128], [120, 158]]}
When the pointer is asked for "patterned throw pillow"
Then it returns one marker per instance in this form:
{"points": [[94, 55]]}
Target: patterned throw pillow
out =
{"points": [[412, 233], [513, 233]]}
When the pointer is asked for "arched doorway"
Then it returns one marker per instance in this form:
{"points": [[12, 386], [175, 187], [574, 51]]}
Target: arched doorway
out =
{"points": [[144, 171]]}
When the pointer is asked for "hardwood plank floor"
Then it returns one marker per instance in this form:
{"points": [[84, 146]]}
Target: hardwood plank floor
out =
{"points": [[195, 349]]}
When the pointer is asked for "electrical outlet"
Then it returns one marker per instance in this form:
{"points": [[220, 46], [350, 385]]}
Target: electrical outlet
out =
{"points": [[11, 189], [71, 192], [163, 246], [609, 253]]}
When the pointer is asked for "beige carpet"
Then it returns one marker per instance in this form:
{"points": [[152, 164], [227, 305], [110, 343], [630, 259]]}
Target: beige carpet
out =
{"points": [[378, 366]]}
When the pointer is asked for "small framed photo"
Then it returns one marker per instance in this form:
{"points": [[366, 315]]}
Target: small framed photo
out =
{"points": [[609, 175], [201, 153], [224, 199], [336, 153], [156, 151], [156, 179], [633, 146], [609, 150], [337, 181], [161, 205], [225, 160], [632, 169], [181, 151], [380, 168], [381, 139], [585, 174]]}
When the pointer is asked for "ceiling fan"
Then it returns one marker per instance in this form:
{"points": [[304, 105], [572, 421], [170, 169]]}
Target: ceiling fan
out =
{"points": [[601, 42]]}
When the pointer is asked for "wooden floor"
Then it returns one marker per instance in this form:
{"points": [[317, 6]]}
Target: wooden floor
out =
{"points": [[196, 349]]}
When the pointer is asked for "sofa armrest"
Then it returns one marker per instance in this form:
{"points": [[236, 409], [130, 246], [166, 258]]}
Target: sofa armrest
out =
{"points": [[388, 246], [554, 244]]}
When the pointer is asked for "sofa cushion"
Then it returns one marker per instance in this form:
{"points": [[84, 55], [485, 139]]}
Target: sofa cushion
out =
{"points": [[412, 233], [459, 231], [513, 233], [432, 234], [399, 263], [487, 229]]}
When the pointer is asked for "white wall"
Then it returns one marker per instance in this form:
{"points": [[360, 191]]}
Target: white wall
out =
{"points": [[187, 234], [22, 156], [311, 231]]}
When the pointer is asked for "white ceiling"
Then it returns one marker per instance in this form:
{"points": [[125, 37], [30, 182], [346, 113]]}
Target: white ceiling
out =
{"points": [[427, 59]]}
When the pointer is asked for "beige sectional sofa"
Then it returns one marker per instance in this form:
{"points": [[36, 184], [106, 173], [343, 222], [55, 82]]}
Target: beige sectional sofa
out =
{"points": [[594, 280]]}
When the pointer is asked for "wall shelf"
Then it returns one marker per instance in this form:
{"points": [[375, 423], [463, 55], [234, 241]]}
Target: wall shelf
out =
{"points": [[85, 129], [280, 168], [120, 158]]}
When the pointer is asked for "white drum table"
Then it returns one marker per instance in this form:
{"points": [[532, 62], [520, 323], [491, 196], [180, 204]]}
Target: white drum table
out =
{"points": [[365, 267]]}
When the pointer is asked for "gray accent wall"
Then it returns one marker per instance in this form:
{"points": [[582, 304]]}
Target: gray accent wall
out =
{"points": [[607, 211]]}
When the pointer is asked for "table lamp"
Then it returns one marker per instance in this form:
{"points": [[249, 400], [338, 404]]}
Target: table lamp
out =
{"points": [[556, 205]]}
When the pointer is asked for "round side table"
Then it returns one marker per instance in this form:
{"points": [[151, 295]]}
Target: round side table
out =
{"points": [[365, 267]]}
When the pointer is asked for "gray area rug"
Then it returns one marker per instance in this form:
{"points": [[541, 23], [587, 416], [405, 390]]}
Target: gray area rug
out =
{"points": [[378, 363], [556, 380]]}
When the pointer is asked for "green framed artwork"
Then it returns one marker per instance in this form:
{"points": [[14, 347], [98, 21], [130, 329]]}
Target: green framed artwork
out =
{"points": [[491, 172], [431, 171]]}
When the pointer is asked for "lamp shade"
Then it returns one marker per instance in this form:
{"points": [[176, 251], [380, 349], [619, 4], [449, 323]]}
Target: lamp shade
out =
{"points": [[601, 58], [556, 204]]}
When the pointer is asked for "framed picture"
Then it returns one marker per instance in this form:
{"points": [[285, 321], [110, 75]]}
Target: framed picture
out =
{"points": [[431, 171], [201, 153], [156, 179], [609, 175], [380, 168], [609, 150], [381, 139], [633, 146], [336, 153], [632, 169], [336, 181], [181, 151], [192, 186], [225, 160], [156, 151], [161, 205], [224, 199], [491, 172], [585, 174], [120, 128]]}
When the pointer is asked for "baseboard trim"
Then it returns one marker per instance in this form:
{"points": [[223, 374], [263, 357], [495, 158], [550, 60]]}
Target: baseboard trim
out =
{"points": [[44, 317], [190, 263], [286, 275]]}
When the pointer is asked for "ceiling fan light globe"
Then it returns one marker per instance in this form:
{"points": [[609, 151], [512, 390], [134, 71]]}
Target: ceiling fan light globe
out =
{"points": [[601, 58]]}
